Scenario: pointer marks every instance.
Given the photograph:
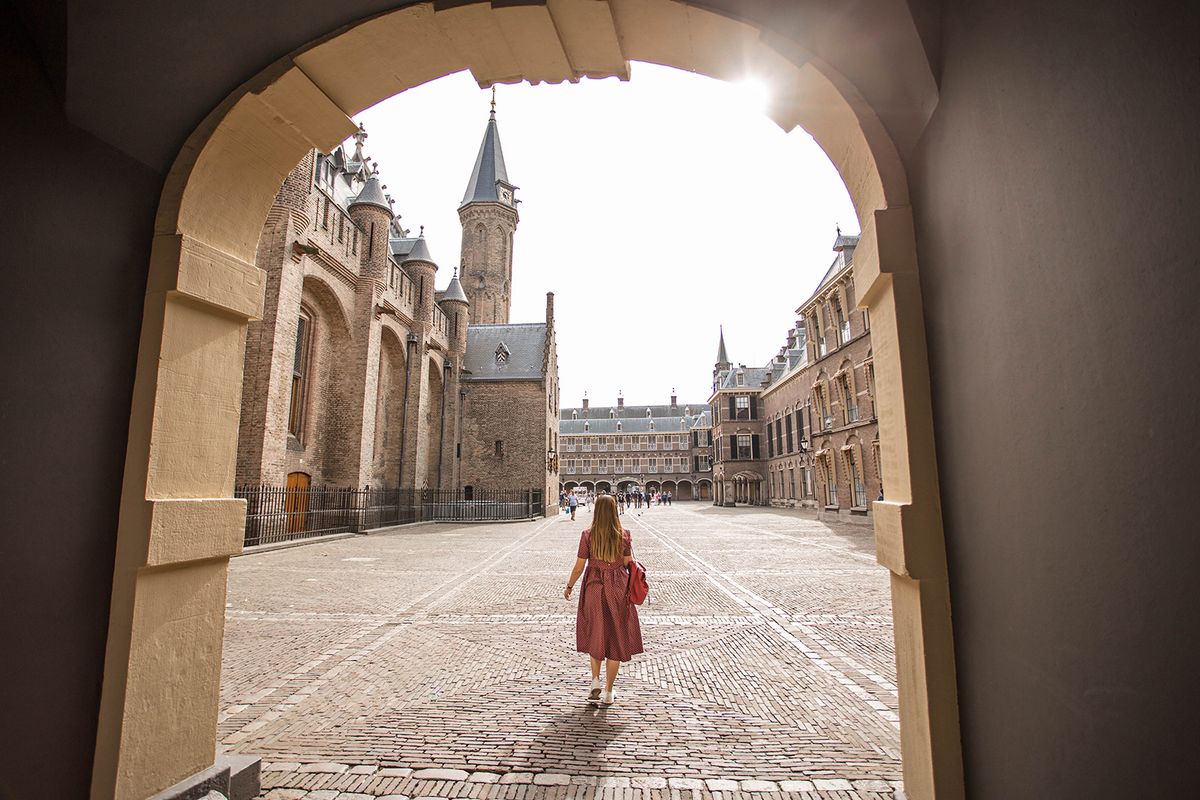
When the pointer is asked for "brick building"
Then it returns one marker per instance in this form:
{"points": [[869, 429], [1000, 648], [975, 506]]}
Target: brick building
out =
{"points": [[802, 431], [656, 447], [362, 373]]}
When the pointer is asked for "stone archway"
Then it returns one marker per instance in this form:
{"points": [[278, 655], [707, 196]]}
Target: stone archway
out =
{"points": [[179, 522]]}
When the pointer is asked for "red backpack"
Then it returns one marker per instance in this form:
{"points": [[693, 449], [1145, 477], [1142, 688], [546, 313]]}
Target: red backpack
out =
{"points": [[638, 588]]}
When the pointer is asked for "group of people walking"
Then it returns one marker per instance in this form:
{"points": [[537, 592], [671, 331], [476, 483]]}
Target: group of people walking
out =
{"points": [[569, 501]]}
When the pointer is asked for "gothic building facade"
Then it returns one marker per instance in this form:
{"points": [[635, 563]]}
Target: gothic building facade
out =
{"points": [[363, 373], [802, 431]]}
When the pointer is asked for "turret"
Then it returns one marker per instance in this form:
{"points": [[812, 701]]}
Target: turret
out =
{"points": [[373, 215], [489, 219], [456, 307], [421, 269]]}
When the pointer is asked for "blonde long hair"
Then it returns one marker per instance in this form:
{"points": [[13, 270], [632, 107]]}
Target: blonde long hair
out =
{"points": [[606, 529]]}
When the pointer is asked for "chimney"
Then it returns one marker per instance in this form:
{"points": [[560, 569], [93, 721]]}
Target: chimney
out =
{"points": [[585, 401], [550, 308], [620, 399], [674, 400]]}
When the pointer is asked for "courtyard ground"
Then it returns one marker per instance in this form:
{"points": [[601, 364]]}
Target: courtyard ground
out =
{"points": [[439, 660]]}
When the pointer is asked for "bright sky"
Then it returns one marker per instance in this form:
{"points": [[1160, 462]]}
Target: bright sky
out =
{"points": [[655, 209]]}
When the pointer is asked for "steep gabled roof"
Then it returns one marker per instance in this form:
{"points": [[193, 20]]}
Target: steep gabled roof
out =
{"points": [[524, 360], [489, 167]]}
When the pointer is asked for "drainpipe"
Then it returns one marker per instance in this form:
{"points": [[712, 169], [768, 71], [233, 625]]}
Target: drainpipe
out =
{"points": [[411, 343], [442, 420]]}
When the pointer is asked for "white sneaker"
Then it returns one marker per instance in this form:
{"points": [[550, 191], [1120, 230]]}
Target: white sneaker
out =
{"points": [[608, 698], [594, 694]]}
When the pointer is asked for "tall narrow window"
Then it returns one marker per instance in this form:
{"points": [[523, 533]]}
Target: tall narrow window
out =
{"points": [[300, 376], [788, 427], [325, 214], [839, 318], [849, 401]]}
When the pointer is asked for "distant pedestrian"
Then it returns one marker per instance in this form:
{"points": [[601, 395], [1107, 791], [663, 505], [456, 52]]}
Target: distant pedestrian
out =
{"points": [[573, 503], [606, 623]]}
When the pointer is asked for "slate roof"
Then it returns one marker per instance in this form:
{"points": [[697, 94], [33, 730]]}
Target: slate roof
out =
{"points": [[371, 195], [455, 291], [675, 424], [489, 167], [401, 247], [418, 252], [634, 410], [526, 344], [753, 378]]}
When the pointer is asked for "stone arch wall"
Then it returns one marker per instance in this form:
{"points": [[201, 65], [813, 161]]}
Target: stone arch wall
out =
{"points": [[389, 409], [840, 65], [434, 416]]}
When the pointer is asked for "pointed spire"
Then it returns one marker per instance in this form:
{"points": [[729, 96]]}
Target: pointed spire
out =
{"points": [[420, 251], [372, 195], [454, 292], [722, 356], [360, 137], [489, 166]]}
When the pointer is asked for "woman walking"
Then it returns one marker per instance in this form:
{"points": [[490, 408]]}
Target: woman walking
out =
{"points": [[606, 624]]}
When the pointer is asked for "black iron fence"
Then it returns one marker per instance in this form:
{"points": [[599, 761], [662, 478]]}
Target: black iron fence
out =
{"points": [[283, 513]]}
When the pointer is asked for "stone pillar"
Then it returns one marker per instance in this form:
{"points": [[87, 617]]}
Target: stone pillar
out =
{"points": [[359, 388]]}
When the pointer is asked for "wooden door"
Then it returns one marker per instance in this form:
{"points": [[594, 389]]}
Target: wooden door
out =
{"points": [[295, 501]]}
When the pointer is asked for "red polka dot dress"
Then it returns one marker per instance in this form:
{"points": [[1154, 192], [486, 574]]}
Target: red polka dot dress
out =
{"points": [[606, 624]]}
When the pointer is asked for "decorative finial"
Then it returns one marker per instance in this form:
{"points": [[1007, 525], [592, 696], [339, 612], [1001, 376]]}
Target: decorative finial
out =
{"points": [[493, 100], [360, 136], [838, 228], [422, 231], [456, 272]]}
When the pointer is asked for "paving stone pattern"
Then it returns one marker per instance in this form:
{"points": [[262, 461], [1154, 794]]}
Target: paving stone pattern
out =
{"points": [[439, 661]]}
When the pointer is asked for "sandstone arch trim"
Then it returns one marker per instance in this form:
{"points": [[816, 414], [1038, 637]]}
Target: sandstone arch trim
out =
{"points": [[838, 78]]}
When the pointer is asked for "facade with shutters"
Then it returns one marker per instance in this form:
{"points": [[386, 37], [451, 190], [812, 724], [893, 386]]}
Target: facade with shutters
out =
{"points": [[801, 431], [363, 374], [664, 448]]}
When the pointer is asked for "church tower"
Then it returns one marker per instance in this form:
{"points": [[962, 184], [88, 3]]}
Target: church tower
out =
{"points": [[489, 218]]}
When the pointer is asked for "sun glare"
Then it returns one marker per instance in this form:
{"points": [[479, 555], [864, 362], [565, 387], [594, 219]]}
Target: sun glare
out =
{"points": [[752, 93]]}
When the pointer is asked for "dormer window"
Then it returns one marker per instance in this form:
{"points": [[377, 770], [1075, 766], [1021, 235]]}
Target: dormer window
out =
{"points": [[612, 415], [618, 427], [574, 415], [502, 353], [647, 413], [651, 424], [587, 427], [741, 379]]}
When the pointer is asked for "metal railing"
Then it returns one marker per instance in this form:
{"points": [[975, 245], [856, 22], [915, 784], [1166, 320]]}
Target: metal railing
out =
{"points": [[281, 514]]}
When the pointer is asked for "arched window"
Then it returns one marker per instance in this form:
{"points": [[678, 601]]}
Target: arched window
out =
{"points": [[300, 364]]}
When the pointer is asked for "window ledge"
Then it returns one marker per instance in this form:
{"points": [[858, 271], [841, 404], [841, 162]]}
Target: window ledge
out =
{"points": [[858, 509], [832, 508]]}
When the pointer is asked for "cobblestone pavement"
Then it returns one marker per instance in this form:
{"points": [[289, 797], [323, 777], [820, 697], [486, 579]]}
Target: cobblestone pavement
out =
{"points": [[439, 661]]}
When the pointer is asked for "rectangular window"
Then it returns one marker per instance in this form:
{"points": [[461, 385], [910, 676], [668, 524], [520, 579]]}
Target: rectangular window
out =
{"points": [[853, 468], [745, 447], [791, 484], [300, 376], [325, 214], [742, 407], [770, 441], [849, 404], [790, 442]]}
